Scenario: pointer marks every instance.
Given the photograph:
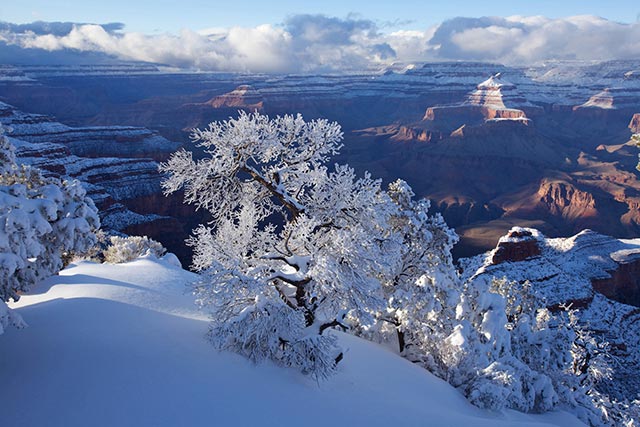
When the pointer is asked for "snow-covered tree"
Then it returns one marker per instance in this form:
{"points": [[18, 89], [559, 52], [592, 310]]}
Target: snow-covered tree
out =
{"points": [[41, 219], [422, 288], [294, 248], [508, 350]]}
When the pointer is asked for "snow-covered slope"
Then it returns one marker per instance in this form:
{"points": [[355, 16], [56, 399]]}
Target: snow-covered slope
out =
{"points": [[123, 345]]}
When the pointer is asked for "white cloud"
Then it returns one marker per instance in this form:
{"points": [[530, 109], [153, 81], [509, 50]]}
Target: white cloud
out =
{"points": [[487, 42], [518, 40], [319, 43]]}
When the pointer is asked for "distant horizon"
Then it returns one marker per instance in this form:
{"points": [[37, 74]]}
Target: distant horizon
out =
{"points": [[398, 66]]}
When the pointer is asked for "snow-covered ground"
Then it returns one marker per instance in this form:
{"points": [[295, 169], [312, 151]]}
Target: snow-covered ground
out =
{"points": [[123, 345]]}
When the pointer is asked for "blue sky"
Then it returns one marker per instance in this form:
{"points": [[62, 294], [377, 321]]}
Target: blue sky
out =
{"points": [[154, 16]]}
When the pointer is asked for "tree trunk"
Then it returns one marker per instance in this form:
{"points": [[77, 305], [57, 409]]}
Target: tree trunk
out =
{"points": [[401, 343]]}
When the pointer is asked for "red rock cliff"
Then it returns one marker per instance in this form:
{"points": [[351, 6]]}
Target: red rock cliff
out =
{"points": [[634, 125]]}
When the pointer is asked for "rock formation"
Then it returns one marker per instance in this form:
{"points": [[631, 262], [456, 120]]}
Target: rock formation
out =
{"points": [[244, 96], [634, 125], [619, 98], [518, 245], [493, 99]]}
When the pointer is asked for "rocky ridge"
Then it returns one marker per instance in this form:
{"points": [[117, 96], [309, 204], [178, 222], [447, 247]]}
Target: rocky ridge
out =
{"points": [[564, 270], [560, 83], [94, 141]]}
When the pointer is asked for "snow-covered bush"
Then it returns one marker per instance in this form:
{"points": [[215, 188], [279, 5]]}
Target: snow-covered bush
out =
{"points": [[94, 253], [508, 350], [41, 220], [546, 358], [125, 249], [510, 383], [590, 382], [276, 291]]}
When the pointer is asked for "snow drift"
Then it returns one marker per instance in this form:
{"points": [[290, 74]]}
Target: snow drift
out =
{"points": [[124, 345]]}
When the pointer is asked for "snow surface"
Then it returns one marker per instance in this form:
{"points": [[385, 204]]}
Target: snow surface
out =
{"points": [[123, 345]]}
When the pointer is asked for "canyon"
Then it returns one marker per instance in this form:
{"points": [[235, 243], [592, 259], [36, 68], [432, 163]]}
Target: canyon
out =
{"points": [[118, 165], [491, 146], [513, 158]]}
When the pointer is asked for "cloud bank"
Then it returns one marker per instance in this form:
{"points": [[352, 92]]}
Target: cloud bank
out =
{"points": [[312, 43]]}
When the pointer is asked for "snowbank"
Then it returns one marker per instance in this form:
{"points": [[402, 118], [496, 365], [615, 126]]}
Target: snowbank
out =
{"points": [[123, 345]]}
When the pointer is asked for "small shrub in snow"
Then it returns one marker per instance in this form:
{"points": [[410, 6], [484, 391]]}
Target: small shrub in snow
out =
{"points": [[507, 350], [125, 249]]}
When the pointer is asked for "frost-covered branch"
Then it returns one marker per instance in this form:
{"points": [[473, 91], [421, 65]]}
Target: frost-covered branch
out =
{"points": [[294, 208]]}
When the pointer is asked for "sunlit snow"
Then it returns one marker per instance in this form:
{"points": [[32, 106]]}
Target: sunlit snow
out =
{"points": [[123, 345]]}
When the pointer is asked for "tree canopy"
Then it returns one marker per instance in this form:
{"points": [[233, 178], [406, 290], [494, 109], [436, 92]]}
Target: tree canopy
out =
{"points": [[295, 247]]}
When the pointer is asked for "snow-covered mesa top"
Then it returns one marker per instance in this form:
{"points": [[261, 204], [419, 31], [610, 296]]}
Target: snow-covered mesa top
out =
{"points": [[498, 94]]}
